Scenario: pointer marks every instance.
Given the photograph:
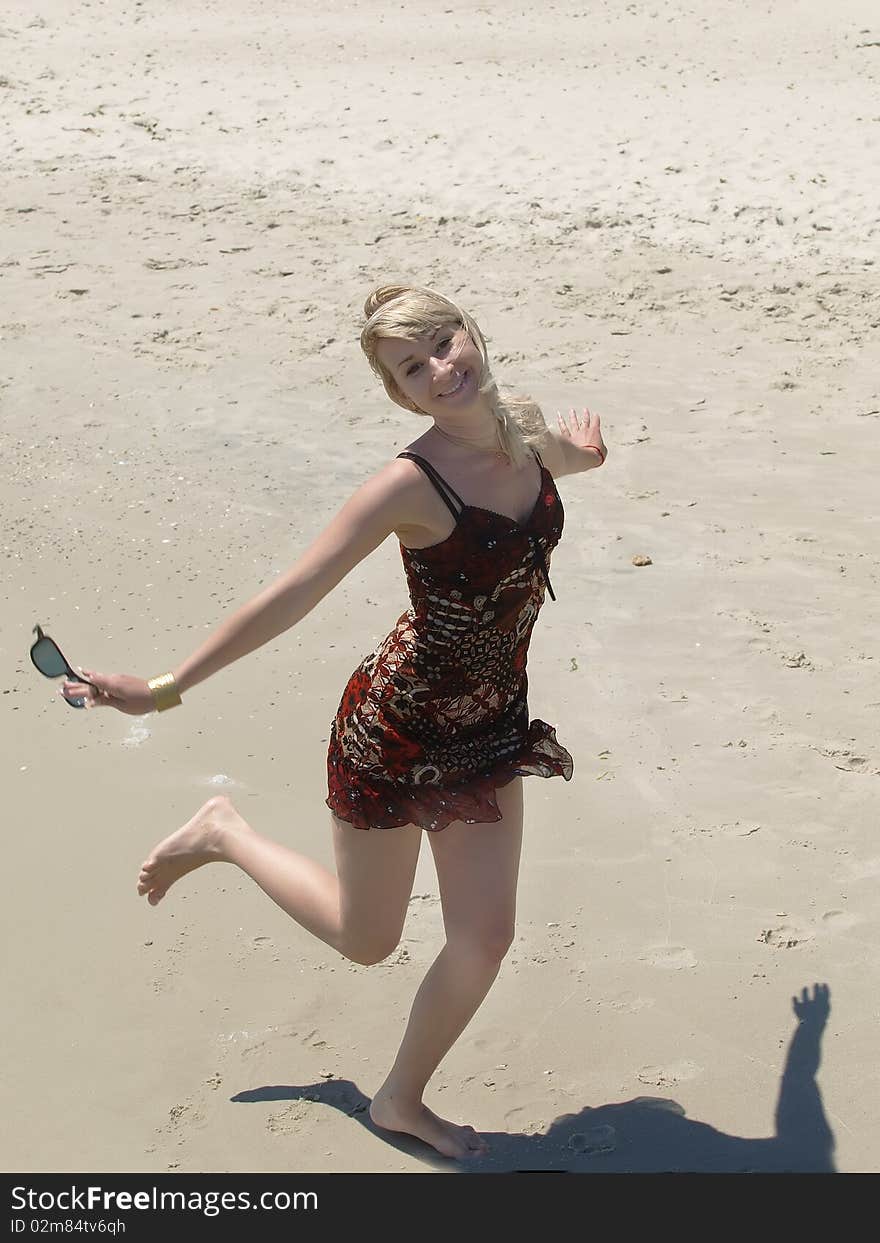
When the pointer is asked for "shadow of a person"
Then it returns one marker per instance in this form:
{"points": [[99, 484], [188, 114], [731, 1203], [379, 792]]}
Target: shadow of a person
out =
{"points": [[644, 1135]]}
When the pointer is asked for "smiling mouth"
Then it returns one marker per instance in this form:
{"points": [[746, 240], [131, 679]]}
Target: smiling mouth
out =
{"points": [[457, 388]]}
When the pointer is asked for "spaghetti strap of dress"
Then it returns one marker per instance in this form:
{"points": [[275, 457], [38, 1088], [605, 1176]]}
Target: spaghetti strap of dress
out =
{"points": [[438, 481]]}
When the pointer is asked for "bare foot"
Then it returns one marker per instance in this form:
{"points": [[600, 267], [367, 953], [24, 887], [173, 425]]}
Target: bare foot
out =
{"points": [[200, 841], [416, 1119]]}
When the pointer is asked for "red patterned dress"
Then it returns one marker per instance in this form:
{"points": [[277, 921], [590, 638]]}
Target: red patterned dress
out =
{"points": [[436, 719]]}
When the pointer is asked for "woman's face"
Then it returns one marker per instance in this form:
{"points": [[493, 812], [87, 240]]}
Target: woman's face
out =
{"points": [[439, 373]]}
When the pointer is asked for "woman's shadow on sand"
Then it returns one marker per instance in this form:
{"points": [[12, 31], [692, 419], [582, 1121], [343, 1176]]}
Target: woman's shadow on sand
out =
{"points": [[645, 1135]]}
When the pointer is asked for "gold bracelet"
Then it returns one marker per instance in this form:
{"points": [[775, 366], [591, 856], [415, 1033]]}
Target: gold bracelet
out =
{"points": [[164, 691]]}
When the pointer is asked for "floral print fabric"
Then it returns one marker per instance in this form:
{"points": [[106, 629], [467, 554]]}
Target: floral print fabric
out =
{"points": [[436, 718]]}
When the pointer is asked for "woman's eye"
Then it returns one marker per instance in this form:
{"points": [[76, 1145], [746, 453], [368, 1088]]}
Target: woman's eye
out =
{"points": [[411, 370], [444, 343]]}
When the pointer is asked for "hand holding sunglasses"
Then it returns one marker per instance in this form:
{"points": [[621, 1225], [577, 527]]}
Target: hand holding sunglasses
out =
{"points": [[127, 694]]}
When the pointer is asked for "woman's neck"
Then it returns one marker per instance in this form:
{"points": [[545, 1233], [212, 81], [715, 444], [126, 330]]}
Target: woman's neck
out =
{"points": [[475, 434]]}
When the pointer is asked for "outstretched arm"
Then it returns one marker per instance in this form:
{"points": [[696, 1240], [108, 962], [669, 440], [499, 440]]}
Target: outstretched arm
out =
{"points": [[800, 1119], [363, 523]]}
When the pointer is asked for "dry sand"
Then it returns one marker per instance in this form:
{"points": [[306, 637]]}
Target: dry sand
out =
{"points": [[665, 212]]}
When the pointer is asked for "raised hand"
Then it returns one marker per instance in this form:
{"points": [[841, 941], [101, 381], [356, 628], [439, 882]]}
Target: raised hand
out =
{"points": [[816, 1007], [111, 690], [584, 432]]}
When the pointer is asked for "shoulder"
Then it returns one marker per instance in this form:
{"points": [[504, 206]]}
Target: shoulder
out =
{"points": [[412, 477], [401, 475], [397, 489], [396, 479]]}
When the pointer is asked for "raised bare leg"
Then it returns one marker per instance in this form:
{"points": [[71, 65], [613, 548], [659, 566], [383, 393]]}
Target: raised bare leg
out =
{"points": [[477, 868], [360, 912]]}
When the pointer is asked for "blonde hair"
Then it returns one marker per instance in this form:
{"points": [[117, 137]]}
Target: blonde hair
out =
{"points": [[407, 311]]}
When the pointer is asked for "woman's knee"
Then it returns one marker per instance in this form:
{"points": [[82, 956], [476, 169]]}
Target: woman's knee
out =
{"points": [[490, 944], [368, 951]]}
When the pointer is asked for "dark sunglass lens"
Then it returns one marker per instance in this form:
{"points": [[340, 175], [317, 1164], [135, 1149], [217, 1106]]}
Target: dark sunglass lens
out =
{"points": [[48, 659]]}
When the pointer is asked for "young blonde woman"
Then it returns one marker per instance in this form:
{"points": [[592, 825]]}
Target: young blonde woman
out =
{"points": [[433, 731]]}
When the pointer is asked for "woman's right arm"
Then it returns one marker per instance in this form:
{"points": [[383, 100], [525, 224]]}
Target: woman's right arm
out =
{"points": [[371, 514]]}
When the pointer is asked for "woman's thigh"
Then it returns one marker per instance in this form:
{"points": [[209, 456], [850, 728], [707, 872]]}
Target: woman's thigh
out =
{"points": [[376, 869], [477, 870]]}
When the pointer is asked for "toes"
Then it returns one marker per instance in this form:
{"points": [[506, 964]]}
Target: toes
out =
{"points": [[155, 896]]}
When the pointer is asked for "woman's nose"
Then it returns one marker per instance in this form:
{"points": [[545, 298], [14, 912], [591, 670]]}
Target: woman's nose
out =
{"points": [[441, 369]]}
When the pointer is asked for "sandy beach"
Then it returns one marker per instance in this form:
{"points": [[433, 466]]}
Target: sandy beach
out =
{"points": [[667, 213]]}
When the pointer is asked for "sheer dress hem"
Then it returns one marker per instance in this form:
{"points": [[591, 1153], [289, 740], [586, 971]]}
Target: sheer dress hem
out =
{"points": [[373, 803]]}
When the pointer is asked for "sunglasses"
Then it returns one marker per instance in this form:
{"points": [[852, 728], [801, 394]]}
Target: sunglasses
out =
{"points": [[51, 662]]}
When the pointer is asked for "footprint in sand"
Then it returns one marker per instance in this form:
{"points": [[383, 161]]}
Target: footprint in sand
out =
{"points": [[249, 944], [593, 1143], [627, 1001], [668, 1076], [495, 1043], [181, 1117], [288, 1121], [530, 1126], [669, 957], [839, 921], [785, 937]]}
